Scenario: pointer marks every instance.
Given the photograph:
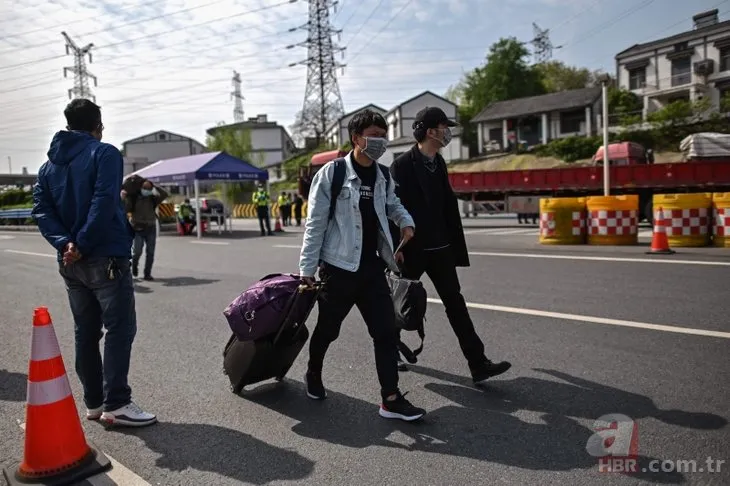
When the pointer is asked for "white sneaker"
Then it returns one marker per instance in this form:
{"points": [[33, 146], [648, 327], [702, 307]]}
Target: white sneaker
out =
{"points": [[130, 415], [94, 413]]}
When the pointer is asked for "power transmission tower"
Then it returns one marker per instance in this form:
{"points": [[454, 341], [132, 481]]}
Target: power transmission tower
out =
{"points": [[322, 97], [236, 95], [543, 48], [81, 75]]}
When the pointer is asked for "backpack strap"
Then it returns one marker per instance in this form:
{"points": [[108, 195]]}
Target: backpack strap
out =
{"points": [[338, 179], [412, 356]]}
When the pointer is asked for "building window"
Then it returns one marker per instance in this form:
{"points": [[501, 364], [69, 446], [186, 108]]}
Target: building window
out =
{"points": [[681, 71], [161, 136], [278, 172], [637, 78], [725, 100], [570, 121], [725, 59]]}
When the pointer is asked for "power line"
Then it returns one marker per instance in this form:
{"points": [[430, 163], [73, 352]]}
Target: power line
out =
{"points": [[609, 23], [372, 37], [65, 24], [148, 36], [81, 74], [364, 23]]}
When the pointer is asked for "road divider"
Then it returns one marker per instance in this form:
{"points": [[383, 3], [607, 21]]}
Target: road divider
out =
{"points": [[594, 320]]}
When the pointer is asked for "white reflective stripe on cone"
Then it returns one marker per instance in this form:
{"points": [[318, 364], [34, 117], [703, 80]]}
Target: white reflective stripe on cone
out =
{"points": [[45, 344], [50, 391]]}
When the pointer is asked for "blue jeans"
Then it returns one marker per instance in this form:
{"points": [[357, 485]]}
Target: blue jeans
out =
{"points": [[96, 299], [146, 237]]}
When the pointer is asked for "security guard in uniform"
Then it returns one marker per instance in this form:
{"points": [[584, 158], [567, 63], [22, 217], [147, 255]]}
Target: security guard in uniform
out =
{"points": [[261, 200]]}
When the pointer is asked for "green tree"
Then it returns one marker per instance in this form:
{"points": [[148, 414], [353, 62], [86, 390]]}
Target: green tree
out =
{"points": [[624, 106], [235, 142], [557, 76], [506, 75]]}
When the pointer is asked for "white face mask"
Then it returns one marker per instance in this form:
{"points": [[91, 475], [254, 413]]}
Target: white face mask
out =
{"points": [[446, 138], [375, 147]]}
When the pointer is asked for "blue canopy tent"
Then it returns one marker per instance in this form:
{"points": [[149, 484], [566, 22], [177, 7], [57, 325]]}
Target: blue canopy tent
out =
{"points": [[209, 166]]}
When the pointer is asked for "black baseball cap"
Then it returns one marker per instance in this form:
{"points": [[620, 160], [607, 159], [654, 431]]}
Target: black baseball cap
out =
{"points": [[432, 117]]}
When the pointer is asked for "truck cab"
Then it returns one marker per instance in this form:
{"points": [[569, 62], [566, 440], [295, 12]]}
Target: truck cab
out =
{"points": [[624, 153], [306, 173]]}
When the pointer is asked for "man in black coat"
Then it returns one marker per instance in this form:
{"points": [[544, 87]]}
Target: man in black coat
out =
{"points": [[439, 245]]}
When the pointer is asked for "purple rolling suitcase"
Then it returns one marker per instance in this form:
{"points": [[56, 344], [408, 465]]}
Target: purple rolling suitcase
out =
{"points": [[251, 361]]}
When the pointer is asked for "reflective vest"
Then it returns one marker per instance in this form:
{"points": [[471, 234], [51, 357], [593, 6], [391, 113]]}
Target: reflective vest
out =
{"points": [[261, 198]]}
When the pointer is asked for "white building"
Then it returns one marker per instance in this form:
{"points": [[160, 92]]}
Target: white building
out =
{"points": [[270, 142], [538, 119], [400, 132], [687, 66], [337, 134], [148, 149]]}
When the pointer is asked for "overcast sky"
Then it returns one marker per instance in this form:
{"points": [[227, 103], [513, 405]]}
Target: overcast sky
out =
{"points": [[167, 64]]}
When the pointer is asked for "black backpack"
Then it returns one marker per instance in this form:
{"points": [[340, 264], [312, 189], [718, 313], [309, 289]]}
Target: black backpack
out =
{"points": [[338, 179]]}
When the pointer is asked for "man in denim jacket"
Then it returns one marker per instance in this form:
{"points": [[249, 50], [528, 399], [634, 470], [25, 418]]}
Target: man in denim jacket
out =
{"points": [[352, 251]]}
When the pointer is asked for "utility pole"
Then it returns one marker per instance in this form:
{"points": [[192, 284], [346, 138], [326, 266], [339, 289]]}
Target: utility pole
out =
{"points": [[10, 165], [322, 97], [605, 79], [236, 95], [81, 75]]}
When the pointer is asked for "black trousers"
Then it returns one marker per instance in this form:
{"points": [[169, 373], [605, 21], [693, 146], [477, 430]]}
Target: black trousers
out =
{"points": [[368, 290], [440, 267], [263, 214]]}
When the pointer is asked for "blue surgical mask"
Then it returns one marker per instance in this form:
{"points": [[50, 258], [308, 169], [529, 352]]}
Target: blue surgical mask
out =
{"points": [[146, 192], [375, 147]]}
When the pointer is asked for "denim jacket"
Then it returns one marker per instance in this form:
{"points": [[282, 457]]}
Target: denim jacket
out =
{"points": [[339, 241]]}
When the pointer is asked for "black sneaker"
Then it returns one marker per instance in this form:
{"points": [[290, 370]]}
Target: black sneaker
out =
{"points": [[148, 278], [401, 365], [315, 388], [487, 370], [135, 272], [400, 408]]}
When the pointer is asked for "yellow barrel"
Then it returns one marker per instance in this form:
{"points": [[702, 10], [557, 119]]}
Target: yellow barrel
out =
{"points": [[563, 221], [613, 220], [721, 224], [686, 218]]}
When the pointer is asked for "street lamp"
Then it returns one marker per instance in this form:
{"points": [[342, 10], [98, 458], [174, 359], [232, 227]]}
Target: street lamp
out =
{"points": [[605, 79]]}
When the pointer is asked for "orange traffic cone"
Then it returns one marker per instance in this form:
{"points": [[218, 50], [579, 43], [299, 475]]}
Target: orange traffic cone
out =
{"points": [[659, 240], [277, 225], [56, 451]]}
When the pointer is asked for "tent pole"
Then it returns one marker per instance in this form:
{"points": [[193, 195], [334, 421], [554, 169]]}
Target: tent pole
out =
{"points": [[196, 184]]}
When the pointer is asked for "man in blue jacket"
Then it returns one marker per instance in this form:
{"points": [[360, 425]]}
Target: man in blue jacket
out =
{"points": [[77, 205]]}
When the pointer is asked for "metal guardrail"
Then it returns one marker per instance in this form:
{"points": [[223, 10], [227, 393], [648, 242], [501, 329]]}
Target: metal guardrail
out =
{"points": [[24, 213]]}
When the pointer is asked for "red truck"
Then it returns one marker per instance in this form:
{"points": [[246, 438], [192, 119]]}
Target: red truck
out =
{"points": [[307, 172], [632, 171]]}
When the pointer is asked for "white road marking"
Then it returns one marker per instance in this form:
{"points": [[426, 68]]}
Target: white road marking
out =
{"points": [[594, 320], [31, 253], [210, 242], [118, 474], [7, 237], [288, 246], [667, 259], [494, 231]]}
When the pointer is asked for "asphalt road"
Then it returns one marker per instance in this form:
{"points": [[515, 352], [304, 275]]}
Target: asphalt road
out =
{"points": [[579, 327]]}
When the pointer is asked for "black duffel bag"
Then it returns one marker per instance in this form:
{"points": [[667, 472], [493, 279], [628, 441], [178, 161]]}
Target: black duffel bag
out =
{"points": [[409, 301]]}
